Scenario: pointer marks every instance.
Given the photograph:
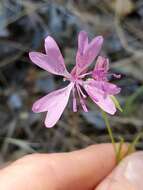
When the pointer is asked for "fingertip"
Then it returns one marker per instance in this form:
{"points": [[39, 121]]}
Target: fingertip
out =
{"points": [[127, 175]]}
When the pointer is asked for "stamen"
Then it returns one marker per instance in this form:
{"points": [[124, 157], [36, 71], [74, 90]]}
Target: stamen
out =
{"points": [[83, 75], [64, 79], [116, 75], [83, 105], [83, 95], [81, 100], [74, 101]]}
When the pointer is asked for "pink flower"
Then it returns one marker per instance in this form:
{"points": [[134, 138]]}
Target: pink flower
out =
{"points": [[55, 102], [99, 89]]}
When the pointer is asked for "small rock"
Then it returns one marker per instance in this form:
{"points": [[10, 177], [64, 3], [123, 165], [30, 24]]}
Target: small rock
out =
{"points": [[15, 101]]}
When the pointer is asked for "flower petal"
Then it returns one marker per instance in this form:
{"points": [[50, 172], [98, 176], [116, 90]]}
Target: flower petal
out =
{"points": [[53, 61], [106, 87], [89, 53], [82, 41], [52, 48], [54, 103], [98, 96], [102, 64], [110, 88], [101, 68]]}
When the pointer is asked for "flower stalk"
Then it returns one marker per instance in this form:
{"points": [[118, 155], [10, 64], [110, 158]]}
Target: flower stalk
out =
{"points": [[117, 153]]}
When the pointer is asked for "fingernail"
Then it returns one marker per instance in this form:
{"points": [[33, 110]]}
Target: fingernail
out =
{"points": [[132, 170], [128, 175]]}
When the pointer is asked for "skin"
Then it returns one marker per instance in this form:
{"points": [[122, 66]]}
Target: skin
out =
{"points": [[79, 170]]}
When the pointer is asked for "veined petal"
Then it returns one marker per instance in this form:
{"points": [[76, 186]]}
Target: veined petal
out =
{"points": [[97, 95], [54, 103], [89, 53], [49, 62], [52, 48], [110, 88], [102, 64], [106, 87], [82, 42], [93, 48], [101, 68]]}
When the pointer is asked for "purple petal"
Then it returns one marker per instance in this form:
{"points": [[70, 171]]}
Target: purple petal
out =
{"points": [[82, 41], [49, 63], [94, 48], [110, 88], [54, 103], [105, 87], [101, 69], [89, 54], [102, 64], [53, 61], [52, 48], [98, 96]]}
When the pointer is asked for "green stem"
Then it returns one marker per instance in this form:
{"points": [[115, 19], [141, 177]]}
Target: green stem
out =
{"points": [[104, 115], [119, 156], [134, 143]]}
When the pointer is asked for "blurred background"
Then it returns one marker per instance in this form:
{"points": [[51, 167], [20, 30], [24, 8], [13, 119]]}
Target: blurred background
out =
{"points": [[23, 26]]}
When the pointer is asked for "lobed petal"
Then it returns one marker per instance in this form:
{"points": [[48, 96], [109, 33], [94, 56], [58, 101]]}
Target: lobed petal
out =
{"points": [[101, 69], [102, 63], [54, 103], [98, 96], [52, 61], [82, 42], [110, 88], [106, 87], [89, 53], [48, 63]]}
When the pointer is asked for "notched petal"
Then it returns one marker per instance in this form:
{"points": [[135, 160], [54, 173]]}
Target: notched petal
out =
{"points": [[54, 103], [49, 63], [98, 96], [89, 53]]}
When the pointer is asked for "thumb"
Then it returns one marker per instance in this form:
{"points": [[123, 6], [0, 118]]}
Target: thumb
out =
{"points": [[127, 176]]}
